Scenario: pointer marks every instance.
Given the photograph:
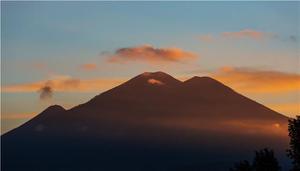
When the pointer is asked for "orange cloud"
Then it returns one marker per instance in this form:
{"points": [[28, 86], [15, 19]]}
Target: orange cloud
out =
{"points": [[150, 54], [18, 116], [154, 81], [288, 108], [65, 84], [246, 33], [88, 67], [258, 81]]}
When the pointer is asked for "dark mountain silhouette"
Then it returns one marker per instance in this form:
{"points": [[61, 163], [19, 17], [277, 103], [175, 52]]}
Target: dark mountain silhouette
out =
{"points": [[151, 122]]}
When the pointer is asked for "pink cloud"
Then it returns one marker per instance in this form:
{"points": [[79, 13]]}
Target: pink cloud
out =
{"points": [[150, 54], [155, 82]]}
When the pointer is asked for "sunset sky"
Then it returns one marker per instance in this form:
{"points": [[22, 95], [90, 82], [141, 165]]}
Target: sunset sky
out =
{"points": [[67, 52]]}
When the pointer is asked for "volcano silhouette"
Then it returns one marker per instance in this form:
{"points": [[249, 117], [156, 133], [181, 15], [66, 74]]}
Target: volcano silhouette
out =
{"points": [[151, 122]]}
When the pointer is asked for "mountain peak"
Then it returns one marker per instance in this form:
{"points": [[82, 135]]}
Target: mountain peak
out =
{"points": [[155, 74], [141, 120], [202, 80], [54, 108], [155, 78], [207, 83], [144, 83]]}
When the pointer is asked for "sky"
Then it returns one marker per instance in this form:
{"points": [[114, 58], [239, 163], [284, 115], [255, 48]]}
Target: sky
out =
{"points": [[67, 52]]}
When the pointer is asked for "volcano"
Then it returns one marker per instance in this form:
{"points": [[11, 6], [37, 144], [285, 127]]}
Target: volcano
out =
{"points": [[151, 122]]}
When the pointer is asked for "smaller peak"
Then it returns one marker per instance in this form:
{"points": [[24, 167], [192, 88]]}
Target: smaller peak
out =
{"points": [[202, 79], [207, 84], [194, 78], [55, 108], [157, 78], [146, 73], [208, 78], [160, 73], [157, 73]]}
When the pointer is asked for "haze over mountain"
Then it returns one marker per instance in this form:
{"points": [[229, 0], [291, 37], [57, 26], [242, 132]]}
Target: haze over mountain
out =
{"points": [[151, 122]]}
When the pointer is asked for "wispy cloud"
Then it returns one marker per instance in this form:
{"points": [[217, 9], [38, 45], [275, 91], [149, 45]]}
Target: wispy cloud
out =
{"points": [[258, 81], [250, 34], [246, 33], [150, 54]]}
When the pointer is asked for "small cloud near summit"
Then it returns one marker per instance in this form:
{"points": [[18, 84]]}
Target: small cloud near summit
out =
{"points": [[155, 82], [46, 92]]}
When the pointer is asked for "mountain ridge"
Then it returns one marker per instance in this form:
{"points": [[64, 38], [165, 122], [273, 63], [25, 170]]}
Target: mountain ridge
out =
{"points": [[190, 87], [200, 114]]}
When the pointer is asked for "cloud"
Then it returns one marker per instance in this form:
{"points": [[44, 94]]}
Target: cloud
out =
{"points": [[18, 116], [64, 84], [46, 92], [258, 81], [246, 33], [148, 53], [155, 82], [250, 34], [287, 108], [88, 67]]}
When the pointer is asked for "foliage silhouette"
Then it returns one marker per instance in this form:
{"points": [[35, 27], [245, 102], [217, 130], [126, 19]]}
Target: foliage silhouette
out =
{"points": [[264, 160], [294, 150]]}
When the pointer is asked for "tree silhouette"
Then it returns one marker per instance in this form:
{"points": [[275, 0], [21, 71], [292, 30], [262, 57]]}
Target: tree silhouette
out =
{"points": [[242, 166], [265, 160], [294, 150]]}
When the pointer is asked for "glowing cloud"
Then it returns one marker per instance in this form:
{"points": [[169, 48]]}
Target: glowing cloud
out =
{"points": [[258, 81], [150, 54], [155, 82]]}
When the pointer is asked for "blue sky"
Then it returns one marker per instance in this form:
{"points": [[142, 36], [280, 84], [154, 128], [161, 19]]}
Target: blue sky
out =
{"points": [[41, 40]]}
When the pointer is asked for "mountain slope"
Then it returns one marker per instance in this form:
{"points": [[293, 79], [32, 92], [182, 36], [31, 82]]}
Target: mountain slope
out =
{"points": [[152, 117]]}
